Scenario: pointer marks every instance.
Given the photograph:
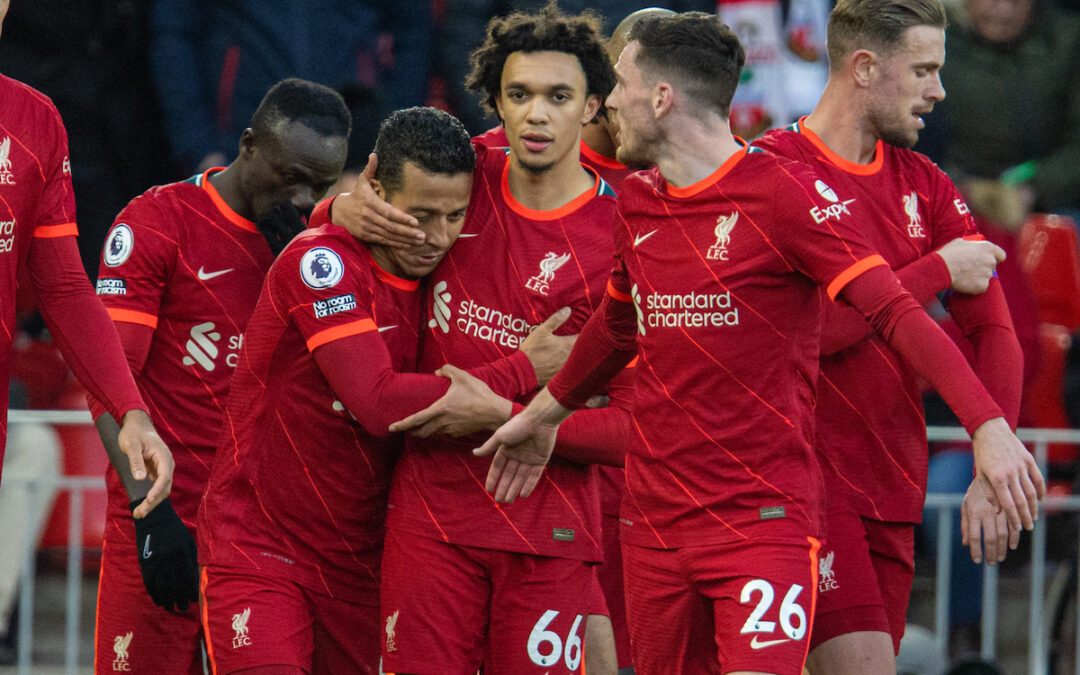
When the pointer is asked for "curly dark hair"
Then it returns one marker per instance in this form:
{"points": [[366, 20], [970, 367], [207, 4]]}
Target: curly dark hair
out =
{"points": [[433, 140], [318, 107], [549, 30], [696, 49]]}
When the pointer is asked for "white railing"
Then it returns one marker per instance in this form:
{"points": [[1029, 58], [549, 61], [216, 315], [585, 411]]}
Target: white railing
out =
{"points": [[1038, 439], [1038, 624]]}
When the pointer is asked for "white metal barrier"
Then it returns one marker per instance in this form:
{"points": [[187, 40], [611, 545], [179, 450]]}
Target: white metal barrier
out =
{"points": [[1038, 624], [944, 504]]}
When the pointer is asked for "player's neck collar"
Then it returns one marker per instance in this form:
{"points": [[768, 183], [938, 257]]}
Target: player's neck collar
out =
{"points": [[392, 279], [838, 161], [226, 210], [550, 214], [696, 188]]}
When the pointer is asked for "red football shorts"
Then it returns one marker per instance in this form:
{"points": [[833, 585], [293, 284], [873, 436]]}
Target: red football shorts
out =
{"points": [[865, 575], [721, 608], [254, 621], [131, 633], [610, 576], [448, 608]]}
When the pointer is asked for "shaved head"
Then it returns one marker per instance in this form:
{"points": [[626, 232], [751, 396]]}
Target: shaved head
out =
{"points": [[617, 42]]}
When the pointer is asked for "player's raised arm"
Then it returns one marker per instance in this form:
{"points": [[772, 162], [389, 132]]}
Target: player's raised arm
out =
{"points": [[88, 341]]}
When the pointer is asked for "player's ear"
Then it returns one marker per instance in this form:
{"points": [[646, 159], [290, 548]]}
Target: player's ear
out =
{"points": [[861, 64], [592, 105], [247, 142], [378, 188], [663, 96]]}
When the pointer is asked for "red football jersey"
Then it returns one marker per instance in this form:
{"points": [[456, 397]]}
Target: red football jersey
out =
{"points": [[871, 432], [724, 277], [298, 487], [511, 268], [613, 172], [37, 231], [181, 262]]}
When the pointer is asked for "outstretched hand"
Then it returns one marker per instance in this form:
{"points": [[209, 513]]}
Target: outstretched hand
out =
{"points": [[148, 456], [369, 218], [521, 448]]}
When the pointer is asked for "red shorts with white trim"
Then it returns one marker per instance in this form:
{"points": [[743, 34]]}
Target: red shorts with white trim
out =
{"points": [[254, 621], [131, 633], [447, 609], [721, 608], [864, 578]]}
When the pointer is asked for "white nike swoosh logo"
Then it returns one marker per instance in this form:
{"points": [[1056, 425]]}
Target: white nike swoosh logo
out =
{"points": [[466, 235], [206, 276], [642, 237], [382, 328], [146, 552], [755, 644]]}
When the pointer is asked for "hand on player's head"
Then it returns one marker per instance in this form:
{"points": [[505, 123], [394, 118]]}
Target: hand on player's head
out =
{"points": [[371, 219]]}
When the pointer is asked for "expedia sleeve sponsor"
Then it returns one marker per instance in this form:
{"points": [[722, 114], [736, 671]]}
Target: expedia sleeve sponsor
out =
{"points": [[338, 303], [111, 287]]}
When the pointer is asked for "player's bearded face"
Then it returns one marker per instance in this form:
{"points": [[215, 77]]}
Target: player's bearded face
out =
{"points": [[629, 103], [543, 104], [906, 86]]}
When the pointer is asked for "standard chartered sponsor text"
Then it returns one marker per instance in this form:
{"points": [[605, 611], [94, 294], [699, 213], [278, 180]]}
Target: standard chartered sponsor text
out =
{"points": [[492, 325], [690, 310]]}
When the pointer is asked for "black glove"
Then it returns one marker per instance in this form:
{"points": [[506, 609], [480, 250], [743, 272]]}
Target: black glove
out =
{"points": [[168, 558], [280, 224]]}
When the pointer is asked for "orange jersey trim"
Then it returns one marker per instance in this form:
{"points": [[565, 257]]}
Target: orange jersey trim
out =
{"points": [[338, 332], [132, 316], [226, 210], [553, 214], [616, 294], [850, 273], [711, 179], [392, 280], [598, 159], [633, 362], [841, 163], [54, 231]]}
